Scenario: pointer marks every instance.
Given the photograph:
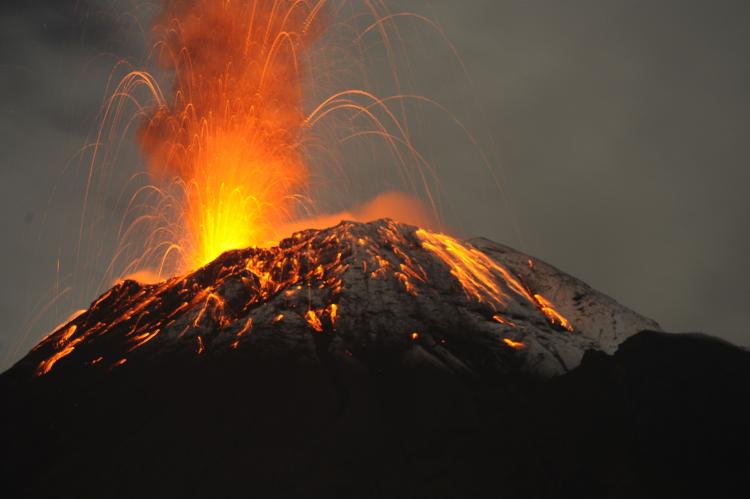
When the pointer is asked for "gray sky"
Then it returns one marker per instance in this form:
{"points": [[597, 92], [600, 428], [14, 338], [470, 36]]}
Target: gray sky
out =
{"points": [[619, 130]]}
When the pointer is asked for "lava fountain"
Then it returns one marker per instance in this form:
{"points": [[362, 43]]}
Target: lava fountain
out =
{"points": [[251, 140], [230, 135]]}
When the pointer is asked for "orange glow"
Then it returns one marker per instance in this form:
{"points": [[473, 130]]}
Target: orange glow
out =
{"points": [[231, 134], [514, 344], [66, 347], [143, 276], [247, 327], [399, 206], [333, 312], [314, 321], [480, 276], [46, 365], [502, 320], [553, 315], [415, 336], [142, 339], [70, 318], [119, 363], [68, 333]]}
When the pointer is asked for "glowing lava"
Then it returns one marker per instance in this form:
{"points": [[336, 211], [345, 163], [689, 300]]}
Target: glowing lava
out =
{"points": [[483, 279], [514, 344], [230, 136]]}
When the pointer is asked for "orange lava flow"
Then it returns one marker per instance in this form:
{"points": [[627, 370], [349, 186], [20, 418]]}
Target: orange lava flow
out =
{"points": [[553, 315], [514, 344], [231, 134], [66, 347], [481, 277], [314, 321], [479, 274]]}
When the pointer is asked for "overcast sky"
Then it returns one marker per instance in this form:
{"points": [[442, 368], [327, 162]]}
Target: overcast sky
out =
{"points": [[619, 130]]}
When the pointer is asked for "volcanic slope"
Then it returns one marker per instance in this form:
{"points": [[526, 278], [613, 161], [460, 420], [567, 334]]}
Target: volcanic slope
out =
{"points": [[465, 306]]}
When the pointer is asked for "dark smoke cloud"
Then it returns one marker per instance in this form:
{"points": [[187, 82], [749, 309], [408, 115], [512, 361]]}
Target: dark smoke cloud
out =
{"points": [[619, 129]]}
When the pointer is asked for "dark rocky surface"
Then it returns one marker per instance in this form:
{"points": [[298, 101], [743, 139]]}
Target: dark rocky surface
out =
{"points": [[665, 416]]}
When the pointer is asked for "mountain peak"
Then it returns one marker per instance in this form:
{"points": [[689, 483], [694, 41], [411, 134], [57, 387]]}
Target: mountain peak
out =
{"points": [[466, 306]]}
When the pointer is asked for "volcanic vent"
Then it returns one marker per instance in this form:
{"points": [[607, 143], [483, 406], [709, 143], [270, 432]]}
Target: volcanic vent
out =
{"points": [[465, 306]]}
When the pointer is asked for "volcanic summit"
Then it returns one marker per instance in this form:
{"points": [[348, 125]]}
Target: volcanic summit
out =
{"points": [[372, 360], [351, 288]]}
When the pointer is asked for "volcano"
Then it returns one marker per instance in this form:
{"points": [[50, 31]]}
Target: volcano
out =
{"points": [[347, 290], [372, 360]]}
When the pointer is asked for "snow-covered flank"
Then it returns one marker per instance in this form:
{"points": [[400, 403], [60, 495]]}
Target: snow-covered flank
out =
{"points": [[596, 316], [347, 293]]}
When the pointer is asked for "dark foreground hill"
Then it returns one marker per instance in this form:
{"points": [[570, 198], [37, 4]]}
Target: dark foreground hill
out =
{"points": [[666, 416]]}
